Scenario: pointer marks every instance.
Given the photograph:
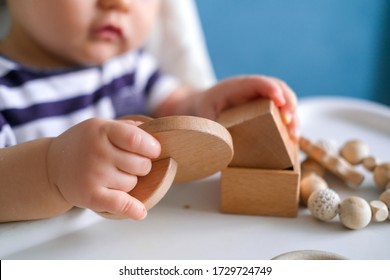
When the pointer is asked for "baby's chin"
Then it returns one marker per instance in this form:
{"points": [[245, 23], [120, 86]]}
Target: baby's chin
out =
{"points": [[99, 56]]}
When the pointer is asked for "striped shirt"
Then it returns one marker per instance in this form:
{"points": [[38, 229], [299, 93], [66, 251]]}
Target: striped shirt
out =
{"points": [[40, 103]]}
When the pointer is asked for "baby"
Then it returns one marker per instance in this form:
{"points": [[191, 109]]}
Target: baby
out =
{"points": [[68, 68]]}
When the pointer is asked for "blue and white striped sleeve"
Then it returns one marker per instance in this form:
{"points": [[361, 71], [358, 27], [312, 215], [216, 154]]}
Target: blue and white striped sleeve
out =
{"points": [[156, 85], [7, 137]]}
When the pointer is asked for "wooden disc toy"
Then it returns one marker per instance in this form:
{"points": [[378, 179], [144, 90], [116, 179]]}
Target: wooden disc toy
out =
{"points": [[191, 148], [309, 255]]}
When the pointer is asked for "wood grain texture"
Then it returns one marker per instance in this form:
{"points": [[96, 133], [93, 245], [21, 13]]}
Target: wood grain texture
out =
{"points": [[192, 148], [261, 191], [150, 189], [260, 137], [200, 147]]}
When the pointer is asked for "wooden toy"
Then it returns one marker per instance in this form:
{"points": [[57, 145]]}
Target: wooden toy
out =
{"points": [[309, 255], [309, 166], [336, 164], [355, 212], [382, 175], [379, 210], [329, 145], [370, 163], [260, 138], [354, 151], [192, 148], [263, 177], [309, 184], [259, 192], [323, 204], [151, 188], [255, 191], [385, 197]]}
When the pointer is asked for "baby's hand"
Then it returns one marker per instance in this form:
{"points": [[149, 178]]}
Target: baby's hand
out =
{"points": [[235, 91], [95, 163]]}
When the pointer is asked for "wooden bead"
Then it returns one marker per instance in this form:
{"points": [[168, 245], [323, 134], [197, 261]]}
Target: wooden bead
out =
{"points": [[354, 151], [309, 184], [379, 210], [323, 204], [385, 197], [330, 146], [370, 163], [382, 175], [334, 163], [355, 212], [309, 165]]}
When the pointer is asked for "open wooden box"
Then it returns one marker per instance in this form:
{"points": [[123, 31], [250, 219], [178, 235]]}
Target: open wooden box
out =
{"points": [[263, 177]]}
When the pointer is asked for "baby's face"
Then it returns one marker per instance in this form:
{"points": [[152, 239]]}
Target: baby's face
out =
{"points": [[81, 32]]}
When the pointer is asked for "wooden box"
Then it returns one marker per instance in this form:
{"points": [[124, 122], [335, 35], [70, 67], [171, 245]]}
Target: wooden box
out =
{"points": [[265, 192], [263, 177]]}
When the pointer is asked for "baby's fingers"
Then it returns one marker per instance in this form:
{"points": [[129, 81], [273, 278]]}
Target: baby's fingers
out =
{"points": [[293, 128], [289, 96], [120, 203], [132, 139]]}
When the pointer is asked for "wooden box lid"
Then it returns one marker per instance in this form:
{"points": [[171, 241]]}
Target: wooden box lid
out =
{"points": [[260, 138]]}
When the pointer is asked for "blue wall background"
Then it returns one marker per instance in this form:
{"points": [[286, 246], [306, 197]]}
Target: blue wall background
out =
{"points": [[320, 47]]}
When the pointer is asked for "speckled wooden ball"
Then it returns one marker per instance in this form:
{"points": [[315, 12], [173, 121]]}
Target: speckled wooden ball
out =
{"points": [[382, 175], [323, 204], [309, 184], [355, 212], [354, 151]]}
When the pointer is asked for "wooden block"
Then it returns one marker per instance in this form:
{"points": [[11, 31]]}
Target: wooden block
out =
{"points": [[260, 138], [261, 191]]}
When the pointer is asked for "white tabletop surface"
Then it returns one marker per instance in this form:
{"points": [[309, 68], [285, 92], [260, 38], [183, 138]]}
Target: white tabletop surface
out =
{"points": [[187, 223]]}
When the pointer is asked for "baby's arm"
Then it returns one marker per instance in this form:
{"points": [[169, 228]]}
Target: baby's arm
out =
{"points": [[233, 92], [93, 165], [25, 192]]}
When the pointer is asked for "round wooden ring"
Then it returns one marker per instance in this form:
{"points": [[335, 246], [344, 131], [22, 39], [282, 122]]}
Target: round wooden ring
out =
{"points": [[192, 148], [200, 147], [309, 255]]}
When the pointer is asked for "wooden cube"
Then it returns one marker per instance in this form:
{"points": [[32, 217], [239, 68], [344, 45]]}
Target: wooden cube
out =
{"points": [[260, 191], [260, 138]]}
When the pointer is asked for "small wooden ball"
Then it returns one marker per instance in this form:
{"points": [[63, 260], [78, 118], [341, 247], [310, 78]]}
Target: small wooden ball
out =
{"points": [[323, 204], [354, 151], [355, 212], [309, 165], [309, 184], [385, 198], [382, 175], [379, 210], [370, 163]]}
